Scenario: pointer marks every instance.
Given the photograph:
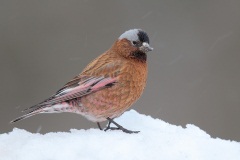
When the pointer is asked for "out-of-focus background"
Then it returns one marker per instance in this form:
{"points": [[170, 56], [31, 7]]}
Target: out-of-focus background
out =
{"points": [[194, 70]]}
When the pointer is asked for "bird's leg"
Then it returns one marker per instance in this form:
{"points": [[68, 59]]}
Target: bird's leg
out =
{"points": [[99, 126], [119, 127], [108, 126], [112, 128]]}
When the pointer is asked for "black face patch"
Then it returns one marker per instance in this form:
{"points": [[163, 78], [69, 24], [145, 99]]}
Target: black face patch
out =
{"points": [[138, 55], [143, 37]]}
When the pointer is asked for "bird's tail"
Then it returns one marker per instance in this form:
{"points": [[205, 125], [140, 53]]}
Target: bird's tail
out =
{"points": [[57, 108], [32, 113]]}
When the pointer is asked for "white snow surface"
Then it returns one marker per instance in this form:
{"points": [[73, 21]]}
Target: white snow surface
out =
{"points": [[157, 140]]}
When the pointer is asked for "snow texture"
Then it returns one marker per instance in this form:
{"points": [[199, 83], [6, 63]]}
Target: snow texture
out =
{"points": [[157, 140]]}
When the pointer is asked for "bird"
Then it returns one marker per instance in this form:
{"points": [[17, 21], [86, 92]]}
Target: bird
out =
{"points": [[108, 85]]}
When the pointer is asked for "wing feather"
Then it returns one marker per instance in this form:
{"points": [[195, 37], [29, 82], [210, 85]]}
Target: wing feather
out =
{"points": [[104, 76], [80, 87]]}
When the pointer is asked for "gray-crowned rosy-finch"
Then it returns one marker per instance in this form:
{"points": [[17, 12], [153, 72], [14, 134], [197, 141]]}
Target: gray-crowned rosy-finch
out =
{"points": [[107, 87]]}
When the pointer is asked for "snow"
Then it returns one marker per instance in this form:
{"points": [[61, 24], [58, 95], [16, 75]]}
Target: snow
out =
{"points": [[157, 140]]}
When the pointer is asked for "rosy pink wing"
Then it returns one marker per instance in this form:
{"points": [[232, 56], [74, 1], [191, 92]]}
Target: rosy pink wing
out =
{"points": [[81, 86]]}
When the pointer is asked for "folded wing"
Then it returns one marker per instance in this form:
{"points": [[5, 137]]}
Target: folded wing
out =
{"points": [[78, 87]]}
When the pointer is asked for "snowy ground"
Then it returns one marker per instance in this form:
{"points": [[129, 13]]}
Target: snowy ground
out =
{"points": [[157, 140]]}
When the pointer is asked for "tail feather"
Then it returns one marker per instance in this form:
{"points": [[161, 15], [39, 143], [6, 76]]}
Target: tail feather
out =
{"points": [[57, 108], [26, 116], [32, 107], [39, 105]]}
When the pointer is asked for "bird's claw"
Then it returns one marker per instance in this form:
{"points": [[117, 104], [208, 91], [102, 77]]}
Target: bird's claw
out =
{"points": [[122, 129], [119, 127]]}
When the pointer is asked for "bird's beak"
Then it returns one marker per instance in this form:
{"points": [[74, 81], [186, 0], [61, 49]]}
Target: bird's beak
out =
{"points": [[145, 47]]}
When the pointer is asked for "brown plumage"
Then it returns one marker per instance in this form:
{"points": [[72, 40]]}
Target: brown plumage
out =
{"points": [[108, 86]]}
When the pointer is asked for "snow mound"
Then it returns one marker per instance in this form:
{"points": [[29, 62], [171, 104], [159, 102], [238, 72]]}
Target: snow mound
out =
{"points": [[157, 140]]}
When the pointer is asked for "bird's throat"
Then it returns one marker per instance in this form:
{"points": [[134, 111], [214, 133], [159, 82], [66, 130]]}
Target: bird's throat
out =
{"points": [[138, 55]]}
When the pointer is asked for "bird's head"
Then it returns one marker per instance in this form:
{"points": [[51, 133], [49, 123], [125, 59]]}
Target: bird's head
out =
{"points": [[133, 44]]}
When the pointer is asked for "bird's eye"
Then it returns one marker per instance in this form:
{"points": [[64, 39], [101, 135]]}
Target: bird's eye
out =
{"points": [[134, 42]]}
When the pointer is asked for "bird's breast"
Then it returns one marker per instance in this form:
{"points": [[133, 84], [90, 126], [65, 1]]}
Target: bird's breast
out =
{"points": [[113, 101], [133, 79]]}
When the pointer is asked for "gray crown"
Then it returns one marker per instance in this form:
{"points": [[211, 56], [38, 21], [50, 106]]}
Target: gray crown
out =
{"points": [[135, 35]]}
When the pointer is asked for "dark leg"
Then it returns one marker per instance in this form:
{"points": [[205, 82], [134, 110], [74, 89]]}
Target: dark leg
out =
{"points": [[112, 128], [99, 126], [108, 126], [119, 127]]}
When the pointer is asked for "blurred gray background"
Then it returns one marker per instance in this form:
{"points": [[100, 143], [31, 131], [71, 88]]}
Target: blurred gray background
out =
{"points": [[193, 71]]}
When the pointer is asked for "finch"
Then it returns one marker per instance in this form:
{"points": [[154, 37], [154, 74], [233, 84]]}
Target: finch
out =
{"points": [[108, 85]]}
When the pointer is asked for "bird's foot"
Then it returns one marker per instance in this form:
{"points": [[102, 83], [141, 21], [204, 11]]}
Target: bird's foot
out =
{"points": [[119, 127]]}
